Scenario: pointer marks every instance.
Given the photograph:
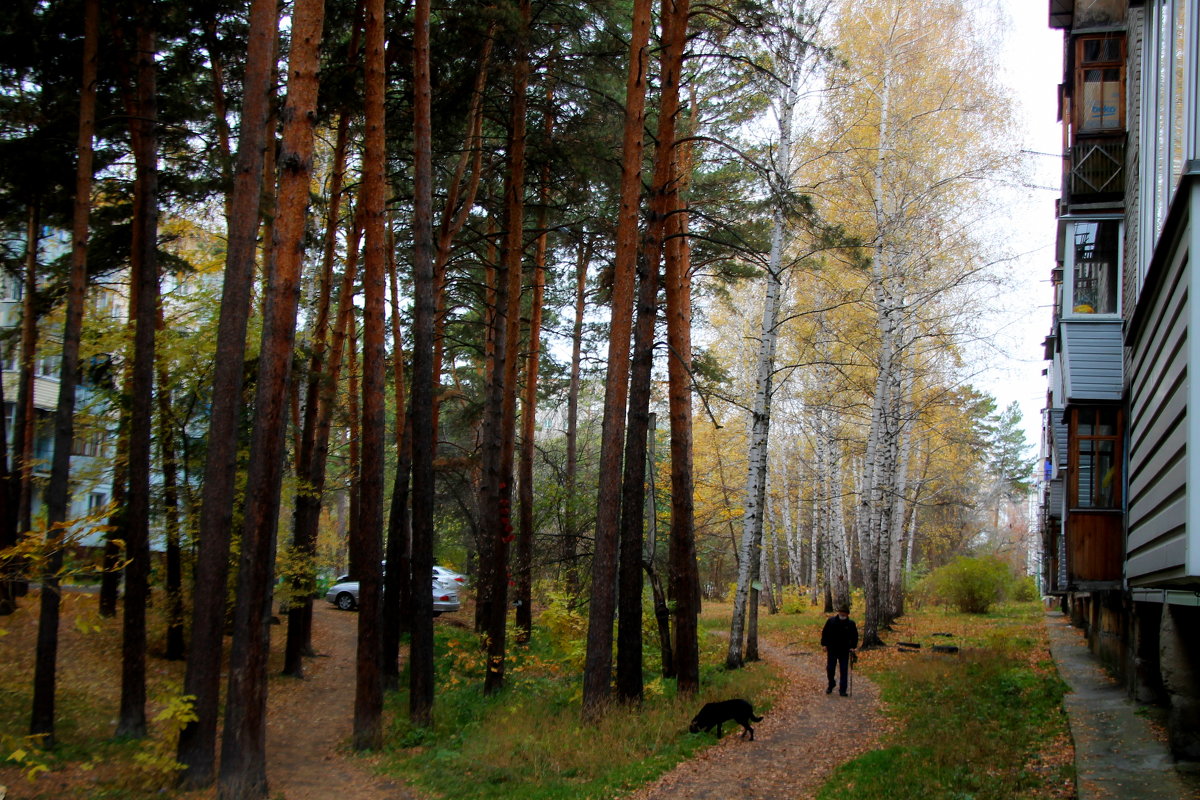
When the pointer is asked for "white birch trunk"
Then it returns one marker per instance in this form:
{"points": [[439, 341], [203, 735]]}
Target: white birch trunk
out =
{"points": [[838, 566], [775, 575], [900, 493], [875, 477], [756, 472], [819, 503]]}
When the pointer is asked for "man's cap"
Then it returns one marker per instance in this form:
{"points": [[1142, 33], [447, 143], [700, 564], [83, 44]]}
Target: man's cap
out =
{"points": [[843, 609]]}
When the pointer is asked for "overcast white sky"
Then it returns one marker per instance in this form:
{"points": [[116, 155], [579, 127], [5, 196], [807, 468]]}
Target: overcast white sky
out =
{"points": [[1032, 59]]}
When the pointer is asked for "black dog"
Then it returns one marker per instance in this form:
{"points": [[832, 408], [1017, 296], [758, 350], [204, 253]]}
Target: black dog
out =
{"points": [[740, 711]]}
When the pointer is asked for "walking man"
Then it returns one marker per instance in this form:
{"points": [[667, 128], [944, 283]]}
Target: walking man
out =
{"points": [[839, 637]]}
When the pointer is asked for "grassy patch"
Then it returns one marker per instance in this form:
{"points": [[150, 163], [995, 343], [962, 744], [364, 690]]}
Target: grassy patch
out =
{"points": [[985, 723], [529, 743]]}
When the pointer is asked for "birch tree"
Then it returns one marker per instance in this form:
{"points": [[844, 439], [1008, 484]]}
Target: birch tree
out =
{"points": [[792, 59], [915, 116]]}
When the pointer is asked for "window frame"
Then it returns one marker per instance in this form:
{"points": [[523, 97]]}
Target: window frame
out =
{"points": [[1068, 267], [1117, 437], [1081, 70]]}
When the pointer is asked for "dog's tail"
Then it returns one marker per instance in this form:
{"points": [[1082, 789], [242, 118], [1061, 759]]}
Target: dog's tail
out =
{"points": [[755, 719]]}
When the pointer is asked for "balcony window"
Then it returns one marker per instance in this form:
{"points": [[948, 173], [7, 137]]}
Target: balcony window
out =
{"points": [[88, 443], [1100, 83], [1170, 114], [1096, 479], [1094, 265]]}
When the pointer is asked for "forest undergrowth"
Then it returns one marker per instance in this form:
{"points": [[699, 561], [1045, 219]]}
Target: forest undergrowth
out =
{"points": [[985, 722]]}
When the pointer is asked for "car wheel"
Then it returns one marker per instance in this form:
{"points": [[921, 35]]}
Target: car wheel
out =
{"points": [[345, 601]]}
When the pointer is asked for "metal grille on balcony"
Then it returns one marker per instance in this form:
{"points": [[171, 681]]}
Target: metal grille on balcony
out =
{"points": [[1097, 169]]}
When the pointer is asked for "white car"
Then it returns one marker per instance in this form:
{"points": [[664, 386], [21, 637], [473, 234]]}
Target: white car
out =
{"points": [[449, 578], [344, 595]]}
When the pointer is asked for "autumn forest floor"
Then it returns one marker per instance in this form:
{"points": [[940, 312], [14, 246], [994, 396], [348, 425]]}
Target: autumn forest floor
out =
{"points": [[805, 738]]}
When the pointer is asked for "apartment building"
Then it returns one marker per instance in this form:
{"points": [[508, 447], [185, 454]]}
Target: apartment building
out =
{"points": [[93, 450], [1120, 528]]}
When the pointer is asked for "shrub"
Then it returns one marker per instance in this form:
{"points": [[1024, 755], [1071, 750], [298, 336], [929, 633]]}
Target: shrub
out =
{"points": [[969, 584], [1025, 589]]}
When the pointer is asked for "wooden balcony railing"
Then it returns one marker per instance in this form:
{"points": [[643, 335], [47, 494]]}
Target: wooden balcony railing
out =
{"points": [[1095, 548], [1096, 169]]}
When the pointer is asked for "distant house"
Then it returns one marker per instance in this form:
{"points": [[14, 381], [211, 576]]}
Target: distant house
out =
{"points": [[1120, 528], [94, 447]]}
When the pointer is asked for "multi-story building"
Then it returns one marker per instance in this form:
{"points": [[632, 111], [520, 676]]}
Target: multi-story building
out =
{"points": [[91, 455], [1121, 531]]}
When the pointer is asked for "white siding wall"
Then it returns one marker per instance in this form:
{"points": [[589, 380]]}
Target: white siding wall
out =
{"points": [[1159, 457]]}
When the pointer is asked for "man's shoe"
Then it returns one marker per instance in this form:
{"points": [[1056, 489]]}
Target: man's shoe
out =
{"points": [[829, 689], [843, 694]]}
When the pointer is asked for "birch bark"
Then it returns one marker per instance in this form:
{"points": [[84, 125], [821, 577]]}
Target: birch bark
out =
{"points": [[760, 420]]}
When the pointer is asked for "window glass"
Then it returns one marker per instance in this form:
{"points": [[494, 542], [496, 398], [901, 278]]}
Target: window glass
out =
{"points": [[1101, 100], [1101, 50], [1097, 473], [1100, 84], [1085, 424], [1095, 271], [1098, 478], [1162, 127], [1178, 98]]}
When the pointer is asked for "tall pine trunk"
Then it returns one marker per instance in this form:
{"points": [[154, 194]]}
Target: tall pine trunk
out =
{"points": [[197, 741], [243, 753], [669, 216], [24, 415], [397, 581], [633, 493], [508, 333], [144, 272], [571, 533], [598, 660], [58, 492], [176, 648], [24, 422], [529, 399], [366, 544], [310, 474], [424, 434]]}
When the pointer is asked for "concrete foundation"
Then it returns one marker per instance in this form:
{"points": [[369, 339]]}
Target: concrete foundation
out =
{"points": [[1179, 659]]}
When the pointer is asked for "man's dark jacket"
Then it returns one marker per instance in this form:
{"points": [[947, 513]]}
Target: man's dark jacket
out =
{"points": [[839, 635]]}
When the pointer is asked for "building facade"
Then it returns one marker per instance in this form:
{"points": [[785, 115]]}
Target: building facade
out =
{"points": [[1120, 530], [94, 446]]}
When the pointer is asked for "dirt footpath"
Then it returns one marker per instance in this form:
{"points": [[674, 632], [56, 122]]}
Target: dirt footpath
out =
{"points": [[802, 738], [311, 721]]}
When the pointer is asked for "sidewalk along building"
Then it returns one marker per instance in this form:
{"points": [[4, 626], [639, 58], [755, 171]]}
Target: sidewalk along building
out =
{"points": [[1120, 529]]}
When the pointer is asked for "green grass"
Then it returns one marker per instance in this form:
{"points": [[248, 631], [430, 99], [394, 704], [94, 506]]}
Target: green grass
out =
{"points": [[985, 724], [528, 743]]}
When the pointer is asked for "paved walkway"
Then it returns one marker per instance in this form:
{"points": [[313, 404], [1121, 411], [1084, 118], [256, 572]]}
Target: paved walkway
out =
{"points": [[1117, 755]]}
